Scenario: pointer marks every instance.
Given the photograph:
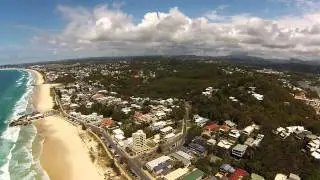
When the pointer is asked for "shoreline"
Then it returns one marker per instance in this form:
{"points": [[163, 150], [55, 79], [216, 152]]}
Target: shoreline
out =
{"points": [[63, 155]]}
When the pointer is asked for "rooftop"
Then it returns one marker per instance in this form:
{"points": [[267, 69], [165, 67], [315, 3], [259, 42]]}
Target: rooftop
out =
{"points": [[240, 147], [194, 175]]}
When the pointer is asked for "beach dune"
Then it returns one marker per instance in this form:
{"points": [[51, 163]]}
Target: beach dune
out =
{"points": [[64, 156]]}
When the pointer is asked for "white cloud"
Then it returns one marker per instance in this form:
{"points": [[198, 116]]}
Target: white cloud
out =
{"points": [[110, 30]]}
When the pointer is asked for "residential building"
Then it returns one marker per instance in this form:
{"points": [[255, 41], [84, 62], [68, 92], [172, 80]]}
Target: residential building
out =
{"points": [[239, 150], [281, 177], [234, 134], [117, 131], [249, 142], [197, 149], [185, 158], [211, 142], [139, 142], [156, 162], [225, 144], [176, 174], [293, 177], [227, 168], [200, 121], [256, 177], [139, 139], [158, 125], [194, 175], [238, 174], [107, 123], [165, 131], [230, 124], [248, 130]]}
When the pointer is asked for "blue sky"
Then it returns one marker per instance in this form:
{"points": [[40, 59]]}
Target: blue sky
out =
{"points": [[23, 23]]}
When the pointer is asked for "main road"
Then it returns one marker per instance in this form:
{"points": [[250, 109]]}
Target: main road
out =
{"points": [[133, 163]]}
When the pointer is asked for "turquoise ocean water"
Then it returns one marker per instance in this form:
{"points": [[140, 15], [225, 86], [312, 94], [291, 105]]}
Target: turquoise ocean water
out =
{"points": [[19, 151]]}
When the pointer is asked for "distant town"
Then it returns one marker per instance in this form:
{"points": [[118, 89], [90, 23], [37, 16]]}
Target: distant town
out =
{"points": [[190, 120]]}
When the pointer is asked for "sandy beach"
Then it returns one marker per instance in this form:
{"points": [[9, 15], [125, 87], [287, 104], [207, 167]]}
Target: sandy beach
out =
{"points": [[64, 155]]}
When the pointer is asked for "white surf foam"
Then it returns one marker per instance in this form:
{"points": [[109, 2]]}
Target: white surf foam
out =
{"points": [[5, 168], [12, 133]]}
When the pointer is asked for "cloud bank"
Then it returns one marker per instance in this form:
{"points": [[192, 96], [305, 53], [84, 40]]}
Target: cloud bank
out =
{"points": [[111, 31]]}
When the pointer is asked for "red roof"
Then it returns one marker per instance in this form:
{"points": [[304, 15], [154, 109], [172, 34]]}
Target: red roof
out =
{"points": [[107, 122], [138, 115], [238, 174], [212, 127]]}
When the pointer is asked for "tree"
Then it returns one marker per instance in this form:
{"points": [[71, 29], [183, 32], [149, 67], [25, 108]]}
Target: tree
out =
{"points": [[193, 132]]}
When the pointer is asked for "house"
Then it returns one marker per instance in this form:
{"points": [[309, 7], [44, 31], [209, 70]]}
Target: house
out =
{"points": [[293, 177], [212, 127], [165, 131], [256, 177], [107, 123], [151, 165], [239, 150], [224, 129], [211, 142], [249, 142], [227, 168], [169, 136], [117, 131], [162, 168], [281, 177], [182, 157], [158, 125], [316, 154], [248, 130], [89, 105], [176, 174], [140, 117], [119, 137], [126, 110], [194, 175], [313, 145], [197, 149], [238, 174], [230, 124], [302, 135], [200, 121], [234, 134], [258, 140], [225, 144]]}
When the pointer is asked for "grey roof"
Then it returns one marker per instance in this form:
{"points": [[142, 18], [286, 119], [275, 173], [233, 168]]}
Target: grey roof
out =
{"points": [[240, 147], [227, 168], [197, 147], [230, 123], [249, 141], [162, 166], [185, 161]]}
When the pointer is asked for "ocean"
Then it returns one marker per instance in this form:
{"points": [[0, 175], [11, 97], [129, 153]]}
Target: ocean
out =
{"points": [[19, 147]]}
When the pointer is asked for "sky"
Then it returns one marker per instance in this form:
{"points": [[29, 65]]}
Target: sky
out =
{"points": [[43, 30]]}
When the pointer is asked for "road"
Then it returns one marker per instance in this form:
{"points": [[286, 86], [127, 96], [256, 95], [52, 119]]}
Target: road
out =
{"points": [[132, 163], [178, 142]]}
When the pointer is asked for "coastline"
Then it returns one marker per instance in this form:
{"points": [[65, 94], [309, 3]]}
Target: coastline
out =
{"points": [[63, 155]]}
